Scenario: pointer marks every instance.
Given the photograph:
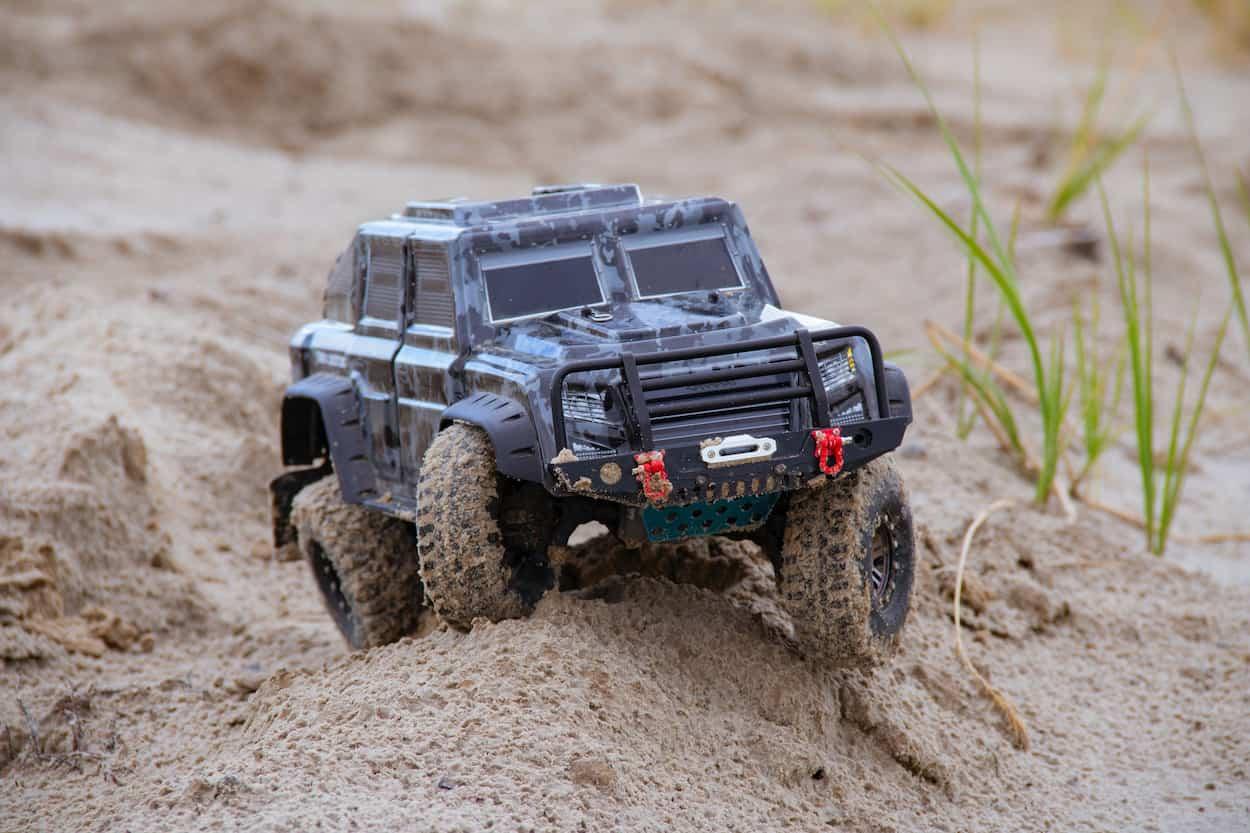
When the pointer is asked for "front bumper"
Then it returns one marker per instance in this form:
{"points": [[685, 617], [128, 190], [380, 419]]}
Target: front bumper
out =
{"points": [[792, 466]]}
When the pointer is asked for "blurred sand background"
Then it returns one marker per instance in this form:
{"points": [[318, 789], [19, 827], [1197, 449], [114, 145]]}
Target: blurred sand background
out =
{"points": [[175, 182]]}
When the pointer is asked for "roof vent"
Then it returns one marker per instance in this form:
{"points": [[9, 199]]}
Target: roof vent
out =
{"points": [[540, 190], [444, 210], [545, 199]]}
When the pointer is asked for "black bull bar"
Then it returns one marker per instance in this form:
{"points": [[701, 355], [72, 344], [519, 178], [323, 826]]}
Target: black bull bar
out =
{"points": [[794, 462]]}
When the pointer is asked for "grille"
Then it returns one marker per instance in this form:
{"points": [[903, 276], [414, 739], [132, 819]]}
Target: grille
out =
{"points": [[689, 421], [766, 384], [583, 405]]}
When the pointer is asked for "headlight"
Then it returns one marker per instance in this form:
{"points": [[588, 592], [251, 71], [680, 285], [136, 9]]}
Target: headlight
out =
{"points": [[838, 375], [838, 370]]}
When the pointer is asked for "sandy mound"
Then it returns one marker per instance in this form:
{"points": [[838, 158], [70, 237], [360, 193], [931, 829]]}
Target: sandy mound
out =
{"points": [[663, 692], [150, 443], [645, 702], [641, 703], [86, 535]]}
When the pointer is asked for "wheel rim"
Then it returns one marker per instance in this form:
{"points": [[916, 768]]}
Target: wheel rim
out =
{"points": [[332, 591], [525, 520], [881, 566]]}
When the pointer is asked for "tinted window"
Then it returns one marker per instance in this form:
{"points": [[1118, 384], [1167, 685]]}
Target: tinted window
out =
{"points": [[338, 295], [543, 286], [683, 267]]}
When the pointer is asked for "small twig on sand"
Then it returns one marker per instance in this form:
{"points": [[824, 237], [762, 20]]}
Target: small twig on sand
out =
{"points": [[1119, 514], [1019, 734], [1130, 518], [937, 334], [1004, 443], [1009, 377], [1213, 538], [928, 384]]}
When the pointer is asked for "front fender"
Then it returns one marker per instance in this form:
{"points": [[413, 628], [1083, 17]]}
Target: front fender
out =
{"points": [[511, 431], [897, 390]]}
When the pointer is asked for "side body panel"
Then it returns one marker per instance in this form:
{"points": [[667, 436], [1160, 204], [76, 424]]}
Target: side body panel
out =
{"points": [[372, 352]]}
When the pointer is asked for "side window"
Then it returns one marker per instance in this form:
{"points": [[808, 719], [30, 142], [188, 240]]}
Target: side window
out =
{"points": [[384, 282], [340, 288], [433, 296]]}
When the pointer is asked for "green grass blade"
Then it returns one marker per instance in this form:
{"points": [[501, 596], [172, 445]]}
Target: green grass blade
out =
{"points": [[1085, 375], [990, 395], [1000, 267], [1138, 364], [1174, 433], [1077, 181], [1055, 392], [1172, 495], [1005, 284], [1089, 378], [1243, 195], [1085, 135], [1226, 249], [965, 422], [1148, 266], [953, 146], [1096, 384]]}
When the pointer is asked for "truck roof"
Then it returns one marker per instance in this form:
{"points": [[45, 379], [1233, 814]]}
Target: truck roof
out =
{"points": [[543, 201], [549, 214]]}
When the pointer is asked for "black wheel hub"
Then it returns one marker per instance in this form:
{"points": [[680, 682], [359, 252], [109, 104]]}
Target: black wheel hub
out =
{"points": [[526, 517], [881, 566], [332, 591]]}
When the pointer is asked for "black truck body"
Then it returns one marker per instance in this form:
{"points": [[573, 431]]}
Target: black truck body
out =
{"points": [[581, 328]]}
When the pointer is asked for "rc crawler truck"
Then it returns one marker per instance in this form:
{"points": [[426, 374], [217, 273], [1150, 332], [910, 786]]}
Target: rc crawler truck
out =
{"points": [[488, 376]]}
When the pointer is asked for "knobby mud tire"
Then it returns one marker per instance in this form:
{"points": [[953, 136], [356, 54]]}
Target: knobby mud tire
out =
{"points": [[826, 566], [364, 563], [464, 563]]}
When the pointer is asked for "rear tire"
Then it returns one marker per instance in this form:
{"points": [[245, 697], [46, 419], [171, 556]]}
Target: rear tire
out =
{"points": [[847, 566], [483, 539], [363, 562]]}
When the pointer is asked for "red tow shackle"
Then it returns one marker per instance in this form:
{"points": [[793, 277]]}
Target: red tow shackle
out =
{"points": [[828, 441]]}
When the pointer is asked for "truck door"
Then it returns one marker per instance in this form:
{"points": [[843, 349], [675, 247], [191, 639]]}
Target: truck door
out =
{"points": [[429, 347], [375, 343]]}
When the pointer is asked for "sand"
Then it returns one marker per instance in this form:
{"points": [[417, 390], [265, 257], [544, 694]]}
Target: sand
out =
{"points": [[175, 182]]}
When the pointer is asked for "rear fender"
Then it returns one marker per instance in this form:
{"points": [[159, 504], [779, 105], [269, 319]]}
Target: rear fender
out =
{"points": [[321, 418]]}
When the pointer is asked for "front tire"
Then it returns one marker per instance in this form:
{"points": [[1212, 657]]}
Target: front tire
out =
{"points": [[363, 562], [482, 538], [847, 564]]}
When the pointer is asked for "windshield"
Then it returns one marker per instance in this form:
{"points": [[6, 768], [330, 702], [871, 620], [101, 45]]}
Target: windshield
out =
{"points": [[693, 266], [518, 290]]}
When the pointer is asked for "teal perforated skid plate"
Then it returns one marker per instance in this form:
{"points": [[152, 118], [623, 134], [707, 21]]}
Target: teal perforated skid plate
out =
{"points": [[668, 523]]}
